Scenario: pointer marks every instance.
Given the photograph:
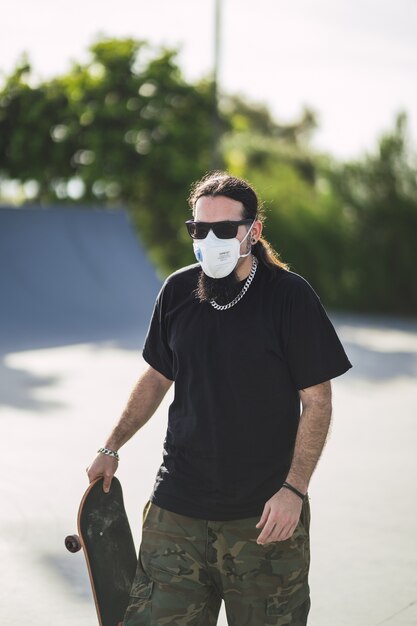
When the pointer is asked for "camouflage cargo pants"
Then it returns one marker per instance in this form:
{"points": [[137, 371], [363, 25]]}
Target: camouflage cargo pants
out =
{"points": [[186, 567]]}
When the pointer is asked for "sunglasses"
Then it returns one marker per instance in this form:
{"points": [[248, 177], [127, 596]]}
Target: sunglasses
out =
{"points": [[223, 230]]}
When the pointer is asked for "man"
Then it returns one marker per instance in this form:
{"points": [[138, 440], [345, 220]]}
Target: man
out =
{"points": [[246, 341]]}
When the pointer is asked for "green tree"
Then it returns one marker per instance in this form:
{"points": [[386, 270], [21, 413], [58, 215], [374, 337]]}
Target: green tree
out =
{"points": [[124, 129], [379, 198]]}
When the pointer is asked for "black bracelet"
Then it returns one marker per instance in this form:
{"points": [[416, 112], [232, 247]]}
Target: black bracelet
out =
{"points": [[294, 490]]}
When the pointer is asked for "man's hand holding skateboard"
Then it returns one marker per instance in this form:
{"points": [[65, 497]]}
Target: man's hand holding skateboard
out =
{"points": [[105, 466]]}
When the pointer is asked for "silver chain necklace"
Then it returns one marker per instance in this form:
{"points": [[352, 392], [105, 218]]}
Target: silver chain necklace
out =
{"points": [[223, 307]]}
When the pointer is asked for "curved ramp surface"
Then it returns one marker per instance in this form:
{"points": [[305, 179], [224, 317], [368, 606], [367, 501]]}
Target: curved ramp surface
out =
{"points": [[70, 275]]}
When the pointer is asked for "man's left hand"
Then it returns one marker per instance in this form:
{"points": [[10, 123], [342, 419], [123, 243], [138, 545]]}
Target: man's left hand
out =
{"points": [[280, 516]]}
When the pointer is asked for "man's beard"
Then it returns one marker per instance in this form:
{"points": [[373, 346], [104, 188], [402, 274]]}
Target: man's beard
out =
{"points": [[222, 290]]}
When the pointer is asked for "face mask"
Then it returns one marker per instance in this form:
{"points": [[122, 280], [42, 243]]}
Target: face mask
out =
{"points": [[218, 257]]}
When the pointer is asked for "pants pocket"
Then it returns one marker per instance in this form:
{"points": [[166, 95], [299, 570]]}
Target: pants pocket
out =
{"points": [[138, 612], [172, 550], [289, 564], [286, 604]]}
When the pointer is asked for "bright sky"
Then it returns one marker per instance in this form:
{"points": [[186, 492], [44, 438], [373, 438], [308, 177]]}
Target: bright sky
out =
{"points": [[353, 61]]}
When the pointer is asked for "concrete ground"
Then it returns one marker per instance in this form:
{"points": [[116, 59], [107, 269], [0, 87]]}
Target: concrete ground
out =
{"points": [[58, 404]]}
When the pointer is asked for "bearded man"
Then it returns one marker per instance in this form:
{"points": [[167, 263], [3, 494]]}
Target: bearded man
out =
{"points": [[251, 352]]}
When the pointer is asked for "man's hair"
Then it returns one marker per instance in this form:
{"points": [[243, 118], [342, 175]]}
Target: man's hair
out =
{"points": [[218, 183]]}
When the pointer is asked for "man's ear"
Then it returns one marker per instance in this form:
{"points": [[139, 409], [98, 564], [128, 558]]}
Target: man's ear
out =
{"points": [[256, 231]]}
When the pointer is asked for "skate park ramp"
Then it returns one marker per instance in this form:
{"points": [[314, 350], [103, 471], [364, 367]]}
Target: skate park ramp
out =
{"points": [[71, 275]]}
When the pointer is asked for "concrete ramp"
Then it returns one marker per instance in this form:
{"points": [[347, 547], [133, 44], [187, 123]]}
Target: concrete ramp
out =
{"points": [[70, 275]]}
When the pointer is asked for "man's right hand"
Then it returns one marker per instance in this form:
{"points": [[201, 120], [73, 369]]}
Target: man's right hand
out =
{"points": [[103, 466]]}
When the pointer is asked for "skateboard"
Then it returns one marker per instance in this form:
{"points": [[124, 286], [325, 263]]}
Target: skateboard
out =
{"points": [[107, 542]]}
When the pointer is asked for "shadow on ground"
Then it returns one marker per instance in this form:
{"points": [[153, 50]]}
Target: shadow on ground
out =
{"points": [[19, 386], [71, 569], [380, 348]]}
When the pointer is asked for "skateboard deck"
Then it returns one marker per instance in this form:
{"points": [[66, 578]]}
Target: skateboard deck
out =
{"points": [[107, 542]]}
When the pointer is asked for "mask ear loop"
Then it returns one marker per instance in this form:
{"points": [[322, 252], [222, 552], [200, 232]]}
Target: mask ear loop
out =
{"points": [[248, 253]]}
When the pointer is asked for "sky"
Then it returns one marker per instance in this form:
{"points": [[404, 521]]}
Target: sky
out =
{"points": [[354, 62]]}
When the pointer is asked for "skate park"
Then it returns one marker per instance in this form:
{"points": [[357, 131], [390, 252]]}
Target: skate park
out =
{"points": [[77, 292], [98, 111]]}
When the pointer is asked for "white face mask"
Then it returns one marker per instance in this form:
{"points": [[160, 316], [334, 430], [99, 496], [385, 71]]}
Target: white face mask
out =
{"points": [[218, 257]]}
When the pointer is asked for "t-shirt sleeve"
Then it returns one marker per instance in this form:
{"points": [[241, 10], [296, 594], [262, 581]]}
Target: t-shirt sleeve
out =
{"points": [[156, 350], [313, 350]]}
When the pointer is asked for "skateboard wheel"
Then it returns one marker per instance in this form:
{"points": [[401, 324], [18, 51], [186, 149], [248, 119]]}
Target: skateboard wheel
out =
{"points": [[72, 543]]}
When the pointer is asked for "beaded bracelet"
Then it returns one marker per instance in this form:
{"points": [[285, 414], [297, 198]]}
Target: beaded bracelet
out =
{"points": [[112, 453]]}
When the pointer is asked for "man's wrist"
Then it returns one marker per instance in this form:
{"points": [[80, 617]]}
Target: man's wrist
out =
{"points": [[109, 452], [298, 482], [112, 444], [294, 490]]}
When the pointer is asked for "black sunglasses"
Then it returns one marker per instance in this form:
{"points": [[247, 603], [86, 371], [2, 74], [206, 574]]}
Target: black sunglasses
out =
{"points": [[223, 230]]}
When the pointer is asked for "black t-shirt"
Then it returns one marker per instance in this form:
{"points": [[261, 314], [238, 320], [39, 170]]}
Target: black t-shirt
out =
{"points": [[234, 418]]}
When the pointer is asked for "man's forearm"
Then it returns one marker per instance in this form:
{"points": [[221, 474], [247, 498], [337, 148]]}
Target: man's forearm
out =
{"points": [[311, 437], [142, 404]]}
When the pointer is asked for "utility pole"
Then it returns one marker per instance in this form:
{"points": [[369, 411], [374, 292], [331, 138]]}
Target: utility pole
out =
{"points": [[215, 153]]}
